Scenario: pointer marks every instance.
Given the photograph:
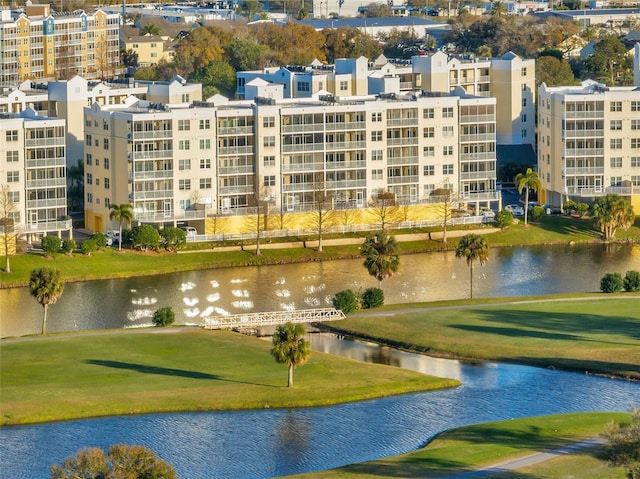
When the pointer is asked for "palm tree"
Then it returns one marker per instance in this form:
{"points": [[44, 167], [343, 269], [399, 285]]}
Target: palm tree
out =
{"points": [[473, 247], [46, 285], [151, 29], [290, 347], [610, 213], [381, 257], [122, 213], [529, 181]]}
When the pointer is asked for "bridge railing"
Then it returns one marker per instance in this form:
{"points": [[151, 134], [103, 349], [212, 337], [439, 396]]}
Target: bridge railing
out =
{"points": [[271, 318]]}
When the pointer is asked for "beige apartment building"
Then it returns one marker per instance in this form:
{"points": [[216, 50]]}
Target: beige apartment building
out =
{"points": [[195, 163], [589, 142], [150, 48], [37, 44], [32, 165]]}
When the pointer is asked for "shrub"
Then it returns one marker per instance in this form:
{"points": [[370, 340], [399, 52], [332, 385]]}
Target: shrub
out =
{"points": [[372, 298], [145, 237], [611, 283], [173, 238], [570, 206], [69, 246], [346, 300], [50, 245], [89, 246], [582, 209], [100, 239], [163, 316], [503, 219], [632, 281], [536, 214]]}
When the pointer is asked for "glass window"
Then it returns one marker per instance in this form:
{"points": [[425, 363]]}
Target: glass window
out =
{"points": [[616, 162], [429, 132], [429, 170], [428, 113], [447, 112], [12, 156], [205, 163], [205, 183], [184, 184], [269, 121], [205, 124], [184, 165], [270, 180], [269, 161], [447, 169]]}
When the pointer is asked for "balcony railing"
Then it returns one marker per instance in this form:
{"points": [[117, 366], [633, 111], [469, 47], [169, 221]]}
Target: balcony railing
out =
{"points": [[236, 170], [402, 122], [413, 140], [403, 160], [45, 162], [345, 145], [236, 190], [146, 135], [150, 155], [490, 118], [152, 194], [584, 152], [171, 215], [477, 137], [315, 166], [150, 175], [44, 226], [235, 130], [483, 155], [303, 147], [235, 150], [481, 196], [584, 114], [345, 165], [341, 184], [317, 127], [347, 126], [597, 133], [584, 170], [57, 141], [395, 180], [48, 203], [478, 175], [47, 182]]}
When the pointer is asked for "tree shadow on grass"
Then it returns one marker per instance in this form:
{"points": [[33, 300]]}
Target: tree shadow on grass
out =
{"points": [[513, 332], [146, 369]]}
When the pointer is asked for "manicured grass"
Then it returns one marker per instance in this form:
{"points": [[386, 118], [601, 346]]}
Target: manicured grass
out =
{"points": [[473, 447], [131, 372], [597, 333]]}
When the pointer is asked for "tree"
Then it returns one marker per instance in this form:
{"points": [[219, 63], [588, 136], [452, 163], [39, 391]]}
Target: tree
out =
{"points": [[553, 71], [473, 247], [372, 298], [611, 212], [632, 281], [132, 462], [624, 444], [245, 54], [163, 316], [173, 238], [50, 245], [346, 301], [7, 209], [444, 196], [150, 29], [75, 177], [503, 219], [527, 181], [322, 209], [129, 59], [381, 257], [385, 209], [217, 77], [260, 201], [290, 347], [69, 246], [145, 237], [611, 283], [609, 62], [122, 213], [46, 285]]}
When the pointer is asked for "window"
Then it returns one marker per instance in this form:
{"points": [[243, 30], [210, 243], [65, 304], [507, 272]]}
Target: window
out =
{"points": [[635, 162], [303, 86], [523, 118], [447, 112], [447, 169], [12, 135], [205, 144], [106, 163], [184, 125], [376, 136], [376, 116], [428, 113], [635, 124], [184, 165], [523, 134], [269, 161], [205, 125], [344, 85], [523, 71], [376, 174], [524, 102], [429, 170], [429, 132], [270, 180], [615, 143], [447, 131], [13, 196], [185, 204], [269, 141], [97, 201], [12, 156], [635, 143], [635, 106], [13, 176], [616, 162], [97, 181], [106, 183], [105, 143], [269, 121], [184, 145], [205, 183], [429, 151], [635, 180], [616, 106], [205, 163], [89, 198], [88, 140], [616, 181], [376, 155], [184, 184], [447, 150], [185, 98], [89, 159], [89, 178], [615, 125], [428, 189], [107, 203]]}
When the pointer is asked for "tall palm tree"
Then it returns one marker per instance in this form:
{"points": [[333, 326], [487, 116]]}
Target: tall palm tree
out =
{"points": [[122, 213], [529, 181], [473, 247], [46, 285], [611, 212], [290, 347], [381, 257]]}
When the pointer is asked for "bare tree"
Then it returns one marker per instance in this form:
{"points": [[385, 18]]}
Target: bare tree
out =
{"points": [[384, 208], [322, 208], [7, 222], [260, 202], [444, 196], [346, 216]]}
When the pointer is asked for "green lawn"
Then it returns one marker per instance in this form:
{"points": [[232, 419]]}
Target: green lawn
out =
{"points": [[483, 445], [87, 375], [595, 333]]}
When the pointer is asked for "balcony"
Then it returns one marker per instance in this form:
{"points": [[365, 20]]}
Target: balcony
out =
{"points": [[402, 122], [475, 119], [583, 170], [235, 130], [44, 226], [236, 190], [348, 126], [57, 141], [47, 183], [403, 160], [152, 217], [150, 155], [478, 175], [45, 162], [152, 195], [235, 150], [310, 127], [146, 135], [345, 165], [315, 166], [592, 133], [584, 152], [342, 184], [402, 141], [236, 170], [491, 137], [395, 180], [150, 175], [482, 155], [48, 203], [598, 115], [303, 147], [345, 145], [482, 196]]}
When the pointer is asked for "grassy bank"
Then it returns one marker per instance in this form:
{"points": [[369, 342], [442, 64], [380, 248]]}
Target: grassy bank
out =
{"points": [[473, 447], [594, 333], [113, 264], [132, 372]]}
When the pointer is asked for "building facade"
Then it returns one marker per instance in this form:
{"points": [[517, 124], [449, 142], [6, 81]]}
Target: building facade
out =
{"points": [[38, 44], [589, 142], [32, 166], [194, 163]]}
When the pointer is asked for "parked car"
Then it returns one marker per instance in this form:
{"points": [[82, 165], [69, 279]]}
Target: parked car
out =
{"points": [[189, 230], [516, 210], [113, 237]]}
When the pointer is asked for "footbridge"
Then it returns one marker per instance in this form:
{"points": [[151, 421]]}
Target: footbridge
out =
{"points": [[270, 318]]}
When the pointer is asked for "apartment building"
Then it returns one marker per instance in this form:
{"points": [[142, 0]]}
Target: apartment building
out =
{"points": [[37, 44], [32, 165], [193, 163], [589, 142]]}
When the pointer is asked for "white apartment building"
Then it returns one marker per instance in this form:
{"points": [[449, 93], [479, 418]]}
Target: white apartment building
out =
{"points": [[37, 44], [589, 142], [192, 163], [32, 165]]}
